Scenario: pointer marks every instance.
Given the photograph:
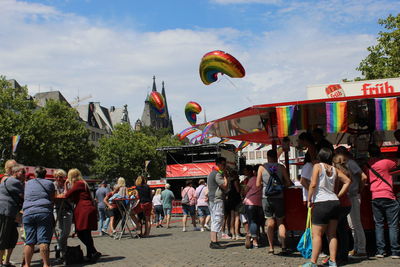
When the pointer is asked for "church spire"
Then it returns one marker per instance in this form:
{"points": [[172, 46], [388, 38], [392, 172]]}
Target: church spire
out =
{"points": [[154, 84]]}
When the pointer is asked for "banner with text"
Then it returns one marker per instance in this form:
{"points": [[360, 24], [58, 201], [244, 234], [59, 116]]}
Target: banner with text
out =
{"points": [[189, 169], [361, 88]]}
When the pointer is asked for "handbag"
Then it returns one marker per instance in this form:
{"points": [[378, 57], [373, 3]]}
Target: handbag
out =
{"points": [[305, 244], [74, 255]]}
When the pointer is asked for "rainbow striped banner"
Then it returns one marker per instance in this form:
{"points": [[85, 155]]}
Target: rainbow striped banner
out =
{"points": [[285, 121], [386, 114], [242, 145], [15, 141], [336, 114]]}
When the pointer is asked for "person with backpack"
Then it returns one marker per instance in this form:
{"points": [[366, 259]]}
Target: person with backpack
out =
{"points": [[384, 203], [188, 205], [273, 178]]}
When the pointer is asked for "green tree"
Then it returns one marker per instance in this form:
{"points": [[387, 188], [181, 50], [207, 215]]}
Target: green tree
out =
{"points": [[125, 152], [383, 60], [52, 136], [57, 139], [16, 109]]}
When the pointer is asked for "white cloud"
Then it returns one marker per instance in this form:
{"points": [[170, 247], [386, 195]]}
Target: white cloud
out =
{"points": [[67, 52]]}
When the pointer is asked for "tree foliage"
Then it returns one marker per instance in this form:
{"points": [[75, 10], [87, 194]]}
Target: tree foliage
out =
{"points": [[57, 139], [52, 136], [125, 152], [383, 60]]}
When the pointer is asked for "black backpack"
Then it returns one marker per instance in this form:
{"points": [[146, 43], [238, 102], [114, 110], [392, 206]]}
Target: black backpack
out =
{"points": [[274, 185]]}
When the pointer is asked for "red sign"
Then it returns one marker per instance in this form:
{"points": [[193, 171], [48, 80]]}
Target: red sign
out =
{"points": [[189, 169]]}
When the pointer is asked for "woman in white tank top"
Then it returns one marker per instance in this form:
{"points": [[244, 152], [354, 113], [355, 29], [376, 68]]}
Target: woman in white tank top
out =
{"points": [[325, 202]]}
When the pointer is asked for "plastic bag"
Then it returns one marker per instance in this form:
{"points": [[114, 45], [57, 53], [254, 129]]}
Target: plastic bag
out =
{"points": [[305, 243]]}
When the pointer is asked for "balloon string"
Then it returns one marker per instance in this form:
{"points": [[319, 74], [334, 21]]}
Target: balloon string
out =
{"points": [[247, 98]]}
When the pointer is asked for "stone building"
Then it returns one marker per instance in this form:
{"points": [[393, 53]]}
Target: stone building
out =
{"points": [[151, 118]]}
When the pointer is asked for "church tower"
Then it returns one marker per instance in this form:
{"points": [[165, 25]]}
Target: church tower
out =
{"points": [[151, 118]]}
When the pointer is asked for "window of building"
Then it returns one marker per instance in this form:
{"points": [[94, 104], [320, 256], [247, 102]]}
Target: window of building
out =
{"points": [[258, 154], [264, 154], [245, 154], [251, 155]]}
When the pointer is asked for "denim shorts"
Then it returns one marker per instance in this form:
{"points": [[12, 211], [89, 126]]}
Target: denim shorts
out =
{"points": [[167, 211], [38, 228], [203, 211], [188, 210]]}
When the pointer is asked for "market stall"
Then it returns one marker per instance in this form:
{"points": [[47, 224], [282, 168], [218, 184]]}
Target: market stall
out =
{"points": [[354, 121]]}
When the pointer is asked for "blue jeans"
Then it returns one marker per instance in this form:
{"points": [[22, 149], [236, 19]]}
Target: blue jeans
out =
{"points": [[38, 228], [389, 208], [252, 215], [103, 219]]}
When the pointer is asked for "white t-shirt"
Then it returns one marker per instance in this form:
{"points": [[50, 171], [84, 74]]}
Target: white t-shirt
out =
{"points": [[306, 173]]}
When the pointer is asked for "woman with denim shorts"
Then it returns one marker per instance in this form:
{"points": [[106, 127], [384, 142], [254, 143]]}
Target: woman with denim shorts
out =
{"points": [[326, 205]]}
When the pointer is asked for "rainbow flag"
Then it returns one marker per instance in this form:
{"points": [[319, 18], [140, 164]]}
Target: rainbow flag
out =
{"points": [[242, 145], [386, 114], [285, 121], [336, 114], [15, 141]]}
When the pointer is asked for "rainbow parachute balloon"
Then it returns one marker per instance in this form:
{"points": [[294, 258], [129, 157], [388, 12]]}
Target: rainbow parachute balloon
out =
{"points": [[216, 62], [157, 102], [191, 111]]}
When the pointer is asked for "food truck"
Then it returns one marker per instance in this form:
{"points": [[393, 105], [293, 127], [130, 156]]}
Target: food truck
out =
{"points": [[349, 113], [193, 162]]}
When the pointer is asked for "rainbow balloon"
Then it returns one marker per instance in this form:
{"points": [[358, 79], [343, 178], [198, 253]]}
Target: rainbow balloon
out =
{"points": [[157, 102], [216, 62], [191, 111], [188, 131]]}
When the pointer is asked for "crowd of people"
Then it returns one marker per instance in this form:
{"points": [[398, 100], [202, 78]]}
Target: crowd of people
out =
{"points": [[223, 204], [332, 183], [32, 204]]}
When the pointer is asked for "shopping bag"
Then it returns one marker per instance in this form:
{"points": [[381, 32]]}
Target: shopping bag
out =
{"points": [[305, 243]]}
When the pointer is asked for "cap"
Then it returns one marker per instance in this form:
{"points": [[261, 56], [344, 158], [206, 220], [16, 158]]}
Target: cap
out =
{"points": [[103, 182]]}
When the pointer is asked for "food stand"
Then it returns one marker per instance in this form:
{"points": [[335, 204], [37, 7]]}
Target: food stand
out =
{"points": [[348, 120]]}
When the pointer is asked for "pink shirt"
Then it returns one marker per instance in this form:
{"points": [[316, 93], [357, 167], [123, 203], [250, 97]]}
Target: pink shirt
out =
{"points": [[254, 194], [379, 188], [191, 195], [201, 192]]}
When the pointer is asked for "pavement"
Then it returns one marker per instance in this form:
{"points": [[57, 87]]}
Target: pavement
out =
{"points": [[172, 247]]}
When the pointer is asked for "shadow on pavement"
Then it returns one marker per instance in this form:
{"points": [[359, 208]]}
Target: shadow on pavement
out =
{"points": [[159, 235]]}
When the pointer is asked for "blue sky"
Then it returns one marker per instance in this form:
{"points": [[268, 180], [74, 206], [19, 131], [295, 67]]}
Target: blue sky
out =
{"points": [[111, 49]]}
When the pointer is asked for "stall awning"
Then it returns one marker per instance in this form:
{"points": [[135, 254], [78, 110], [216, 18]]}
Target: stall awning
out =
{"points": [[259, 124]]}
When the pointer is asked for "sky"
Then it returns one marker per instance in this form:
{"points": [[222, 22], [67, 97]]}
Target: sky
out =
{"points": [[111, 49]]}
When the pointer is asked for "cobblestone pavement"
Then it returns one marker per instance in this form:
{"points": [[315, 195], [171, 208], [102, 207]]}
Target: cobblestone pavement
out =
{"points": [[172, 247]]}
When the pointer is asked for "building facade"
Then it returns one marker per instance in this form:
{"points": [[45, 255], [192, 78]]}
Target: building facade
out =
{"points": [[150, 117]]}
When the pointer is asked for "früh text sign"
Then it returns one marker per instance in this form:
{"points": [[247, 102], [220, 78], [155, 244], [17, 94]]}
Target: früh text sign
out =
{"points": [[361, 88]]}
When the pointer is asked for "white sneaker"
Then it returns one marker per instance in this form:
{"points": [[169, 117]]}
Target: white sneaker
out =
{"points": [[225, 236], [207, 227], [201, 229], [183, 229]]}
